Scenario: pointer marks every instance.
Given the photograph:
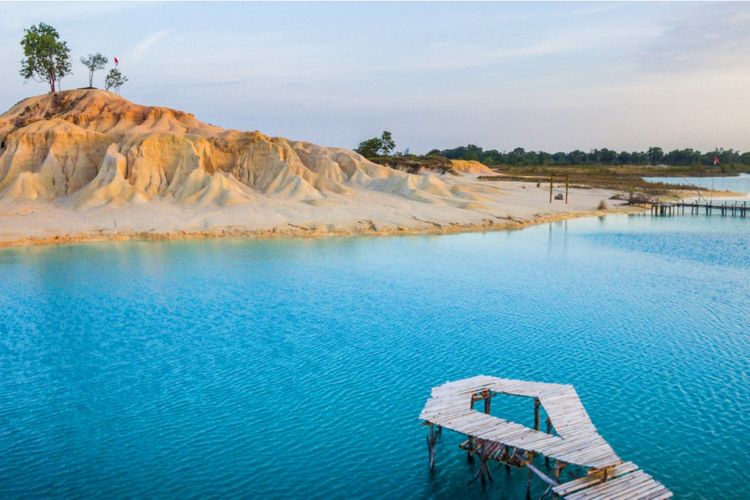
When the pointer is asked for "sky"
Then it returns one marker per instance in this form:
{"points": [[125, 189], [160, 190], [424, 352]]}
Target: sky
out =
{"points": [[550, 76]]}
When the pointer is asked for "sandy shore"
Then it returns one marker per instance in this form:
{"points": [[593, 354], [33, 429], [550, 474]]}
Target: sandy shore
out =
{"points": [[504, 206]]}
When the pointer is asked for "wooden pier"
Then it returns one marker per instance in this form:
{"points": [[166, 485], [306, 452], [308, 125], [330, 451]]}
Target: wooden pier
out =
{"points": [[727, 208], [570, 439]]}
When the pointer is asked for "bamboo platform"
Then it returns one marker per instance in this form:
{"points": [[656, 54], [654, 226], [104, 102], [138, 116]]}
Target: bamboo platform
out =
{"points": [[732, 209], [575, 440]]}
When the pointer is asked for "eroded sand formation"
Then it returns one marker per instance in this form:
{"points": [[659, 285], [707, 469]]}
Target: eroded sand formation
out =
{"points": [[89, 147], [78, 161]]}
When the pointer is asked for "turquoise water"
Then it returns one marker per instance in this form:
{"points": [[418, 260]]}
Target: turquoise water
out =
{"points": [[298, 368], [739, 183]]}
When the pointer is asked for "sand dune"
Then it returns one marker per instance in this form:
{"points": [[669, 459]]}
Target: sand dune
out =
{"points": [[79, 161], [90, 147]]}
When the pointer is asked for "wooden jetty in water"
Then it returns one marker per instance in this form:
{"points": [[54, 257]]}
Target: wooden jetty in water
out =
{"points": [[570, 439], [726, 208]]}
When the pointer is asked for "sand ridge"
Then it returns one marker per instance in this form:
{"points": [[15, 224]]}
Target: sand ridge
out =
{"points": [[86, 164]]}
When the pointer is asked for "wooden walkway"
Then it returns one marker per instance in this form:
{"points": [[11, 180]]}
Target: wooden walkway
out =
{"points": [[726, 208], [575, 441]]}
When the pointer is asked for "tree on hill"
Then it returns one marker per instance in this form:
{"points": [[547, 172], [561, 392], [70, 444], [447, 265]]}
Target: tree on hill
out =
{"points": [[377, 146], [115, 79], [46, 57], [94, 62]]}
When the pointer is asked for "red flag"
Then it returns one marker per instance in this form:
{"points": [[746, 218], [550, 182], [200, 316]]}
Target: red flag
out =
{"points": [[716, 160], [116, 61]]}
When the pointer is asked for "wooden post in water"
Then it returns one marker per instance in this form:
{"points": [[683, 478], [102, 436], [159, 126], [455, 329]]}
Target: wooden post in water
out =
{"points": [[537, 404], [431, 439], [506, 458], [529, 458], [567, 183], [549, 431]]}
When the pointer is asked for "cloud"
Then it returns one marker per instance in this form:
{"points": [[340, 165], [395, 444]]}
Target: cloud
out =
{"points": [[703, 38], [455, 56], [18, 15], [144, 45]]}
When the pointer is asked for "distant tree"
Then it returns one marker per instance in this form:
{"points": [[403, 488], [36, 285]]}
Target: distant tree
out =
{"points": [[577, 157], [46, 57], [387, 143], [115, 79], [655, 155], [370, 147], [729, 159], [94, 62], [607, 156], [377, 146]]}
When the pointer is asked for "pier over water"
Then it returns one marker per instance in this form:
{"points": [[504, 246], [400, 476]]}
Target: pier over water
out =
{"points": [[570, 439], [726, 208]]}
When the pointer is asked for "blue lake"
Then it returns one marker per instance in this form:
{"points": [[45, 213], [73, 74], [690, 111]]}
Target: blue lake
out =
{"points": [[739, 183], [299, 368]]}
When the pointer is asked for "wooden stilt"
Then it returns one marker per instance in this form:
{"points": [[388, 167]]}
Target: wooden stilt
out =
{"points": [[537, 404], [431, 439], [530, 457], [549, 431]]}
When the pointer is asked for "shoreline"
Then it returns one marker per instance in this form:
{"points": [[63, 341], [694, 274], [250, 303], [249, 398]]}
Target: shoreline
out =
{"points": [[315, 231], [369, 223]]}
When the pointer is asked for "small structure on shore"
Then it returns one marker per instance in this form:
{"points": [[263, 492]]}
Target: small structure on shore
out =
{"points": [[570, 438]]}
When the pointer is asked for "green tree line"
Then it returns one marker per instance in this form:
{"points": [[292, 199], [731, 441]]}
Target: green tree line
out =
{"points": [[652, 156]]}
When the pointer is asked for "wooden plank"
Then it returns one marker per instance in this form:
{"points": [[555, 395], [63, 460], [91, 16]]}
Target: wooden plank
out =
{"points": [[594, 478], [612, 487]]}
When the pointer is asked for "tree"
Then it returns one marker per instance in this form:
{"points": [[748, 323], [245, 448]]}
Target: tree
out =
{"points": [[115, 79], [370, 147], [387, 143], [46, 57], [377, 146], [655, 155], [94, 62]]}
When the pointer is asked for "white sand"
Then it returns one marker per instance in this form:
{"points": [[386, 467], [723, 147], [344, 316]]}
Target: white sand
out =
{"points": [[504, 205], [87, 164]]}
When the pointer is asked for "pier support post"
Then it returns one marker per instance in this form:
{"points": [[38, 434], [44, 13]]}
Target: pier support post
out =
{"points": [[529, 458], [549, 431], [431, 440], [559, 466], [487, 400], [505, 458], [537, 403]]}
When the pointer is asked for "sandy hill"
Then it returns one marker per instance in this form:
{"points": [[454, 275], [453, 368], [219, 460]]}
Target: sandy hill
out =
{"points": [[87, 148]]}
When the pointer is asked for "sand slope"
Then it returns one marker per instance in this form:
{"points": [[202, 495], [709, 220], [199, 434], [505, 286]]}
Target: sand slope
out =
{"points": [[85, 162], [90, 147]]}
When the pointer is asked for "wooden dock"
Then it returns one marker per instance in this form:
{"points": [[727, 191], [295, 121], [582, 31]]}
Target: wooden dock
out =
{"points": [[570, 438], [726, 208]]}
